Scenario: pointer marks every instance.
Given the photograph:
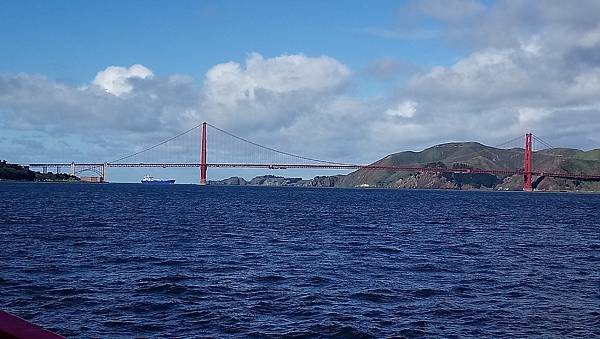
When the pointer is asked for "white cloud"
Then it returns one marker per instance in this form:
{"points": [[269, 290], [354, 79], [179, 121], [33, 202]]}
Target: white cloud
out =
{"points": [[270, 92], [531, 114], [263, 99], [591, 38], [532, 45], [116, 80], [587, 83], [405, 109], [534, 67], [230, 83], [484, 73]]}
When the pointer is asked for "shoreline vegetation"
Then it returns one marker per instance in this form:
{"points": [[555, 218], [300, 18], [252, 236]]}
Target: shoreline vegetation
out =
{"points": [[16, 173]]}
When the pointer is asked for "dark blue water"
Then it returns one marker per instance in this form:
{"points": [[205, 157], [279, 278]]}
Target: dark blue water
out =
{"points": [[132, 260]]}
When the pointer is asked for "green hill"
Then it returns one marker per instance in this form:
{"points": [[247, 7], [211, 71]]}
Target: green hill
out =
{"points": [[589, 155], [476, 155]]}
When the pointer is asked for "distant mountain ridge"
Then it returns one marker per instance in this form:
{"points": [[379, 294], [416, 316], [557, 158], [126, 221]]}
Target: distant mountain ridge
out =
{"points": [[458, 154]]}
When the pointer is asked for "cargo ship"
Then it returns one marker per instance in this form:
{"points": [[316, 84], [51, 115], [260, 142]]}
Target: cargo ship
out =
{"points": [[150, 180]]}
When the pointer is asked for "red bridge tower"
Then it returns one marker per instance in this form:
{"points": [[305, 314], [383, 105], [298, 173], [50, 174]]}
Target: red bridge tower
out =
{"points": [[203, 156], [528, 164]]}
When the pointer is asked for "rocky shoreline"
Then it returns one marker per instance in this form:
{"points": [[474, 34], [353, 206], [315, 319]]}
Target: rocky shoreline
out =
{"points": [[273, 180], [416, 181]]}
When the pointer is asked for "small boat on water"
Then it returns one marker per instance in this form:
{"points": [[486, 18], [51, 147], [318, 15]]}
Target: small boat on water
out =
{"points": [[150, 180]]}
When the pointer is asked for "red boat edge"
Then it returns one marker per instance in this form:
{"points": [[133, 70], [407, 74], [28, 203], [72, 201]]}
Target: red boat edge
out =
{"points": [[15, 327]]}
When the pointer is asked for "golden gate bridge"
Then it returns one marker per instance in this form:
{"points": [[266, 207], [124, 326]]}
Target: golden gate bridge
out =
{"points": [[214, 152]]}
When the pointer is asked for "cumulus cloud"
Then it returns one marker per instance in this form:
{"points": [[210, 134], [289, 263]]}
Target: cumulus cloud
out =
{"points": [[531, 114], [230, 83], [31, 102], [279, 75], [489, 73], [532, 68], [130, 106], [116, 80], [270, 93], [405, 109]]}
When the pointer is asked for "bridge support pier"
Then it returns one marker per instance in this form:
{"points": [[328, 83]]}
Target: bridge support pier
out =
{"points": [[203, 166], [104, 177], [528, 164], [72, 169]]}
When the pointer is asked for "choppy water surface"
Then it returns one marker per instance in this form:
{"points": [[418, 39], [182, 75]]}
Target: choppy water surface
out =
{"points": [[131, 260]]}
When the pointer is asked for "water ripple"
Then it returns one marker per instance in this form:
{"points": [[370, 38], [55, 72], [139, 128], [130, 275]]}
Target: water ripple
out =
{"points": [[97, 261]]}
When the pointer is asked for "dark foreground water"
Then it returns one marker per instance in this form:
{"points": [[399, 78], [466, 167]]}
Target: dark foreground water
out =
{"points": [[183, 261]]}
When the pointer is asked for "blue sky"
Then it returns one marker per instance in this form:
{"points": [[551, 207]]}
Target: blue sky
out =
{"points": [[347, 81], [72, 40]]}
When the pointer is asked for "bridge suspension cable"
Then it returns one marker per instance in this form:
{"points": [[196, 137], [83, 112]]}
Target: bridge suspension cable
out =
{"points": [[275, 150], [157, 145], [224, 148], [542, 141]]}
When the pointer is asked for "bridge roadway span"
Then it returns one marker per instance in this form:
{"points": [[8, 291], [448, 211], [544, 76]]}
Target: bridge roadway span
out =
{"points": [[319, 166]]}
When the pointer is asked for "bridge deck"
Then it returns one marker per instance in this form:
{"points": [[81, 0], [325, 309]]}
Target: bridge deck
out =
{"points": [[323, 166]]}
